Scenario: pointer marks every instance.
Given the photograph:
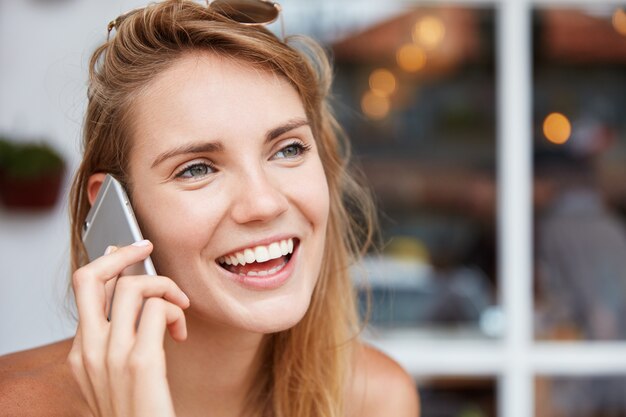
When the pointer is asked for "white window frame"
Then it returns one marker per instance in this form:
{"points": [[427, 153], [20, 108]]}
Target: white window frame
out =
{"points": [[515, 359]]}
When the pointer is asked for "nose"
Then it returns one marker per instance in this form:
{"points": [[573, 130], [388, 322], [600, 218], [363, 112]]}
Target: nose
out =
{"points": [[259, 197]]}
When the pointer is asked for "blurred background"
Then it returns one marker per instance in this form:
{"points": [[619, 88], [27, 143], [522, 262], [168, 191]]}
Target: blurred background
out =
{"points": [[418, 91]]}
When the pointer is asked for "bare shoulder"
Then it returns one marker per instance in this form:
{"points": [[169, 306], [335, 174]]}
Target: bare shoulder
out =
{"points": [[38, 382], [381, 387]]}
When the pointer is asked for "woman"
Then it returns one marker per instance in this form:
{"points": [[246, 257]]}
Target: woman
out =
{"points": [[221, 134]]}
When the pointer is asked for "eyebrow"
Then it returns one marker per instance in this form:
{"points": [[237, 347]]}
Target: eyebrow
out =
{"points": [[284, 128], [189, 149], [208, 147]]}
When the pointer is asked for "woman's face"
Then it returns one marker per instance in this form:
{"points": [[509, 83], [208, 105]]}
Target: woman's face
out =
{"points": [[225, 170]]}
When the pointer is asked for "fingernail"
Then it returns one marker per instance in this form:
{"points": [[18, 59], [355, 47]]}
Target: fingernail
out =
{"points": [[109, 249], [141, 243]]}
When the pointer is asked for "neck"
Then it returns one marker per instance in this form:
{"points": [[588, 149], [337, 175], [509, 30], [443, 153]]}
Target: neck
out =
{"points": [[214, 369]]}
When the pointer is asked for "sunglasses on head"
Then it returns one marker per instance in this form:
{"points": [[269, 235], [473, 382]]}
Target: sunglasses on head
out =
{"points": [[246, 12]]}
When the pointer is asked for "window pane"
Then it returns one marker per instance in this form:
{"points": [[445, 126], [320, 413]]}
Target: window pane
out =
{"points": [[458, 397], [417, 99], [580, 172], [596, 396]]}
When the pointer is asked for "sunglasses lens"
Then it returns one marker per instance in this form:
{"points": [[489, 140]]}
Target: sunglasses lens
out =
{"points": [[247, 11]]}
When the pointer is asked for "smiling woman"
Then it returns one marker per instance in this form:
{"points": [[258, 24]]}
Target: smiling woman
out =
{"points": [[222, 136]]}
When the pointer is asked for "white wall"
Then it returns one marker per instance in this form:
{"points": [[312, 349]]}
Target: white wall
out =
{"points": [[44, 49]]}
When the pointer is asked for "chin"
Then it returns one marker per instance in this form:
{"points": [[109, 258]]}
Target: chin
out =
{"points": [[275, 318]]}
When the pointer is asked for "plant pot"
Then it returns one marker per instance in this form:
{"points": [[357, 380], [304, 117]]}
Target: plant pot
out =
{"points": [[31, 193]]}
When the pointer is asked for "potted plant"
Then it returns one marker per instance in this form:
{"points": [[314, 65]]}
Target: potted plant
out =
{"points": [[31, 174]]}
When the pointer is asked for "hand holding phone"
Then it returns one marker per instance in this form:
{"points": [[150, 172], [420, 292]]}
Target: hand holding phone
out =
{"points": [[118, 359]]}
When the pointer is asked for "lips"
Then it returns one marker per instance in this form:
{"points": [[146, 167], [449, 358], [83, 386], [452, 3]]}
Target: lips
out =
{"points": [[260, 260]]}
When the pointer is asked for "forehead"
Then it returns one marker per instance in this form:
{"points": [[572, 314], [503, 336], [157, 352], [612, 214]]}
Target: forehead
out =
{"points": [[206, 96]]}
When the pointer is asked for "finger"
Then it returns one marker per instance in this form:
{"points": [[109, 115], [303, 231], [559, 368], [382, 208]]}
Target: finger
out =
{"points": [[130, 294], [109, 292], [75, 362], [109, 286], [147, 360], [92, 355], [132, 290], [93, 335], [116, 259], [158, 315], [89, 282]]}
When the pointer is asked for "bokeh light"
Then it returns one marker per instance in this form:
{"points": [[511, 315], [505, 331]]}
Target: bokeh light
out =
{"points": [[619, 21], [429, 32], [382, 82], [375, 106], [411, 58], [409, 248], [557, 128]]}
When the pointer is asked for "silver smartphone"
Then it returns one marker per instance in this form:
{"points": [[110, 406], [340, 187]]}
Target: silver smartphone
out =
{"points": [[111, 221]]}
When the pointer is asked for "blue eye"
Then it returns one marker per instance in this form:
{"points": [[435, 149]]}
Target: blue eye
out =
{"points": [[195, 171], [293, 150]]}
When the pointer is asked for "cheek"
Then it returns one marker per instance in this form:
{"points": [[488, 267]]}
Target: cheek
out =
{"points": [[310, 191], [180, 223]]}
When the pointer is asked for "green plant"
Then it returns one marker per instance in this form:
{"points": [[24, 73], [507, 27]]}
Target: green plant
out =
{"points": [[6, 151], [28, 160]]}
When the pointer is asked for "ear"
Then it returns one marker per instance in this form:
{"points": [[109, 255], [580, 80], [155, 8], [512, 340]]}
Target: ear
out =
{"points": [[93, 186]]}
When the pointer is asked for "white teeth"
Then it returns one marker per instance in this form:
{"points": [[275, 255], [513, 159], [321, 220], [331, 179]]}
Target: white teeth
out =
{"points": [[249, 255], [276, 269], [264, 273], [261, 253], [274, 250]]}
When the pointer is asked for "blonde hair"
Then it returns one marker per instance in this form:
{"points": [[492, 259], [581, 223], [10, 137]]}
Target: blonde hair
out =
{"points": [[307, 367]]}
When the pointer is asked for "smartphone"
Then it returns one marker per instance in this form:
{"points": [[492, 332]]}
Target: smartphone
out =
{"points": [[111, 221]]}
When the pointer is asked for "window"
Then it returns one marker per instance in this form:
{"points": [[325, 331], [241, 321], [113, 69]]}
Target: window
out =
{"points": [[419, 107], [523, 357]]}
